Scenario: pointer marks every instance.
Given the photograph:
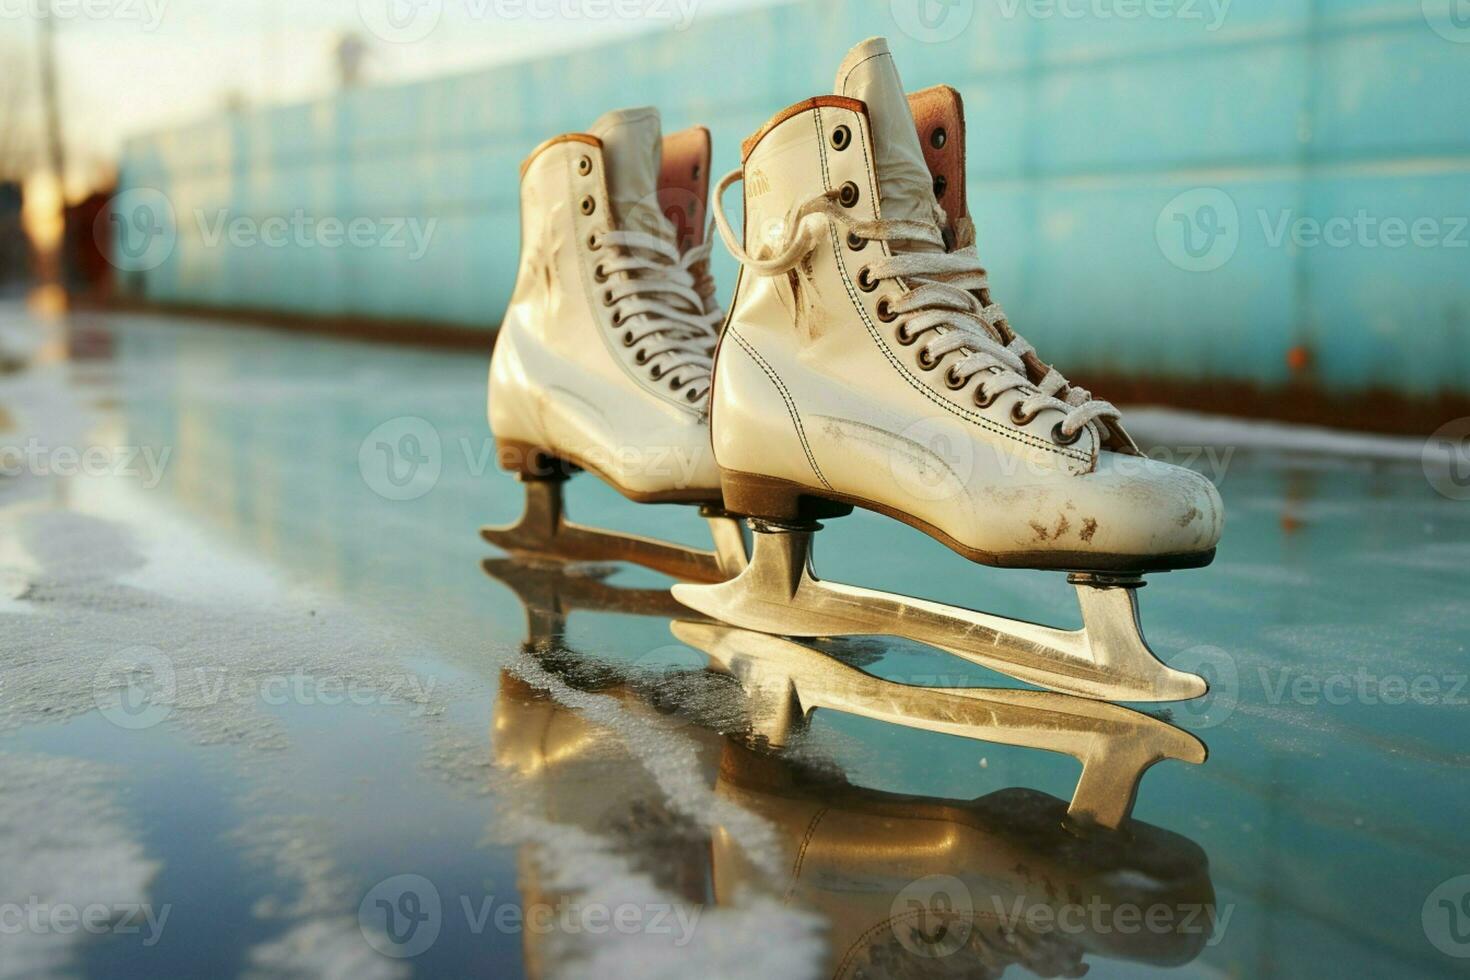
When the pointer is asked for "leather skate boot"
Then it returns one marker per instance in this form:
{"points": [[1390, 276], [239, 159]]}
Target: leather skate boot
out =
{"points": [[602, 362], [861, 339]]}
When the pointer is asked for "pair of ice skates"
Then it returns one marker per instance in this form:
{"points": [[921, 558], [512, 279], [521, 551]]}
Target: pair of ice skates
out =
{"points": [[861, 337]]}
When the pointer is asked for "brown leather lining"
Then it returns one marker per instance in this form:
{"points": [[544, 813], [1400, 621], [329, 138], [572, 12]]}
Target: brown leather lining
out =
{"points": [[837, 101], [683, 183], [563, 138], [940, 107]]}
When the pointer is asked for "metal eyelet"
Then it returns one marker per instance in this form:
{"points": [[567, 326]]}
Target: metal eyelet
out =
{"points": [[588, 204], [865, 281], [607, 297], [1061, 438], [675, 384], [841, 137], [640, 357], [691, 396], [584, 166], [617, 317], [953, 381], [847, 194], [938, 138], [628, 339], [939, 185], [856, 241], [598, 274], [885, 311], [903, 336], [1019, 417], [982, 400], [655, 372], [927, 361], [593, 242]]}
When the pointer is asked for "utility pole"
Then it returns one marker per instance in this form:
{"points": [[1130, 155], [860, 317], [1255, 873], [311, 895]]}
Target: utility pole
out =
{"points": [[50, 105]]}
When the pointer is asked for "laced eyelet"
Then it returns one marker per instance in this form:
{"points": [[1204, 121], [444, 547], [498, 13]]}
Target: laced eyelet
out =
{"points": [[902, 335], [927, 361], [938, 138], [865, 281], [939, 185], [607, 297], [593, 242], [982, 400], [691, 396], [675, 384], [628, 339], [1019, 417], [841, 137], [1061, 438], [584, 166], [885, 311], [588, 204], [598, 274], [953, 381], [655, 372], [847, 194], [617, 317], [640, 357], [855, 241]]}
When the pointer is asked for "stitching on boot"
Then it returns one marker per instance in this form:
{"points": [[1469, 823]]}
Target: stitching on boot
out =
{"points": [[1025, 439], [786, 397]]}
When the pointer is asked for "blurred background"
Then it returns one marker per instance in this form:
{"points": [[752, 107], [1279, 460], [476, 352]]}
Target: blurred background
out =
{"points": [[1257, 207]]}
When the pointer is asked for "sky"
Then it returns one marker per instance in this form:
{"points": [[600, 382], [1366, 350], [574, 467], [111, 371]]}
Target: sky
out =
{"points": [[130, 66]]}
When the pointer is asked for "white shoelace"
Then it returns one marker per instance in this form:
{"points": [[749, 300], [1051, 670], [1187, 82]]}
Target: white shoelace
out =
{"points": [[942, 300], [663, 302]]}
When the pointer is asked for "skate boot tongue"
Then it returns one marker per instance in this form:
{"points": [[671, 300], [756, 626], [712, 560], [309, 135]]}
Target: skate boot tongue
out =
{"points": [[906, 188], [631, 142]]}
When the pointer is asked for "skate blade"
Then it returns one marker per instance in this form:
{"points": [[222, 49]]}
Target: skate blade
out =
{"points": [[544, 531], [1108, 659]]}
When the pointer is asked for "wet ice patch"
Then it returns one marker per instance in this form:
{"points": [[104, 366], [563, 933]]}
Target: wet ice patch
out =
{"points": [[669, 758], [65, 845], [331, 949], [691, 940]]}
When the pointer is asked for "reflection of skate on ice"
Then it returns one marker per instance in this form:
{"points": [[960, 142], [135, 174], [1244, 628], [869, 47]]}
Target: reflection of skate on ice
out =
{"points": [[864, 363], [787, 681], [602, 362], [902, 883]]}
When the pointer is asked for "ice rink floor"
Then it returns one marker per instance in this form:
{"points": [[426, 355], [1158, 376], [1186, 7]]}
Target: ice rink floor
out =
{"points": [[263, 703]]}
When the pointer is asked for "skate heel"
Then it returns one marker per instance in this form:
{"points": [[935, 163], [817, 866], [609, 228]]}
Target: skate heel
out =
{"points": [[772, 499], [530, 462]]}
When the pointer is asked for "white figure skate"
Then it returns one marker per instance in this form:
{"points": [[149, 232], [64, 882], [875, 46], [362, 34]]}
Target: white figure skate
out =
{"points": [[861, 335], [602, 362]]}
